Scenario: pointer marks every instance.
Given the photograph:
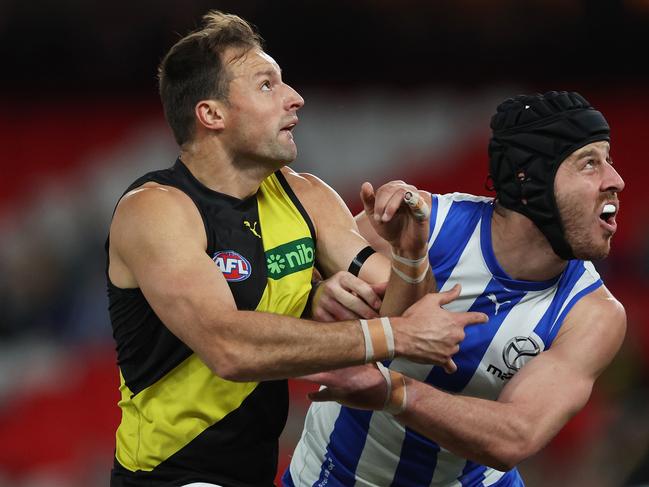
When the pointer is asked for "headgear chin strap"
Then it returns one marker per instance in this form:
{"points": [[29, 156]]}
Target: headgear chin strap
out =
{"points": [[532, 136]]}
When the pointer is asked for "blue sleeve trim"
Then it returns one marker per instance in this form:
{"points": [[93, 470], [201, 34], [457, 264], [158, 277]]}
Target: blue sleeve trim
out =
{"points": [[555, 329]]}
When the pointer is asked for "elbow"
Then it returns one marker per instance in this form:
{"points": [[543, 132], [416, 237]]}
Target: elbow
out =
{"points": [[229, 366], [510, 450], [230, 372], [505, 457], [502, 461]]}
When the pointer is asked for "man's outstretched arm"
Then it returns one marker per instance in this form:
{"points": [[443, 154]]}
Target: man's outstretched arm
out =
{"points": [[531, 409], [158, 244]]}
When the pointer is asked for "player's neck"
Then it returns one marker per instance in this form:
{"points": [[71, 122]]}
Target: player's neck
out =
{"points": [[217, 169], [521, 249]]}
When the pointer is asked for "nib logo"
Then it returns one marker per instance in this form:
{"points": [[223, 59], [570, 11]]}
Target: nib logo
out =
{"points": [[292, 257], [276, 263]]}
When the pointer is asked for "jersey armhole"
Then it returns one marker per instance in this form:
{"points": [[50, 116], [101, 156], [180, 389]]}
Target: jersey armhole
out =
{"points": [[294, 199]]}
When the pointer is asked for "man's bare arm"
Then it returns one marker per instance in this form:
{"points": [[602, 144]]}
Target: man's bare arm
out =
{"points": [[158, 244], [339, 240], [530, 410]]}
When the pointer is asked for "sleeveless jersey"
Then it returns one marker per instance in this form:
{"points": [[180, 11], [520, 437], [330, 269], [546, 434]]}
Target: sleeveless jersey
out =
{"points": [[180, 422], [345, 447]]}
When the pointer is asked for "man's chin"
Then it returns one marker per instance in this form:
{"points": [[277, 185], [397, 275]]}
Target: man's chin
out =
{"points": [[593, 253]]}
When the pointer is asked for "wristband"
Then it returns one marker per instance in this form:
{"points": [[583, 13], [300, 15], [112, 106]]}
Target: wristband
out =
{"points": [[409, 262], [396, 398], [379, 339], [359, 260], [407, 278]]}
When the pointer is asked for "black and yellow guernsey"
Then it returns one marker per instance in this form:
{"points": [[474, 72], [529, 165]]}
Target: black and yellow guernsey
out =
{"points": [[180, 422]]}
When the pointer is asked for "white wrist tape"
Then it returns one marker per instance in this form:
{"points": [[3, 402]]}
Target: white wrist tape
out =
{"points": [[396, 399], [409, 262], [407, 278], [379, 339], [369, 349]]}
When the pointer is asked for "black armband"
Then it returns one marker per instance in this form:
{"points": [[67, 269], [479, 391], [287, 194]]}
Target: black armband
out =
{"points": [[359, 260]]}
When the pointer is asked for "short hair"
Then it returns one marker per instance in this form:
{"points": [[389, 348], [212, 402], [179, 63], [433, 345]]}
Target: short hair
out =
{"points": [[193, 69]]}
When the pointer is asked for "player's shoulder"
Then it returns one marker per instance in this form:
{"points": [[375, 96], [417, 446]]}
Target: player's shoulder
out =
{"points": [[302, 181], [602, 303], [151, 197], [599, 313], [152, 207], [593, 331], [309, 188]]}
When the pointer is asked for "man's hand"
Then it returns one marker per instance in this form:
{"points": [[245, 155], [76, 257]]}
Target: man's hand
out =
{"points": [[427, 333], [393, 220], [346, 297], [361, 387]]}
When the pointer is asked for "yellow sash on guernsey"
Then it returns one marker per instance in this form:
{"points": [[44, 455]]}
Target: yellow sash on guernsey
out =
{"points": [[166, 416]]}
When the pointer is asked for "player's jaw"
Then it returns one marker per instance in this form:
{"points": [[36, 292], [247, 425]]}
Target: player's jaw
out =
{"points": [[589, 228]]}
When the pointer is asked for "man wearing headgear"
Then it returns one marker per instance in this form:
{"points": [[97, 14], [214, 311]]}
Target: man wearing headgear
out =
{"points": [[522, 258]]}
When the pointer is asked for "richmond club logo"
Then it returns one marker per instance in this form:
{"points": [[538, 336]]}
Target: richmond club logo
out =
{"points": [[234, 266]]}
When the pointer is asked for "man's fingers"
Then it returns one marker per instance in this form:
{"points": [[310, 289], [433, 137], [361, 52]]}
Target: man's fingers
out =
{"points": [[321, 314], [392, 205], [363, 290], [450, 295], [367, 198], [349, 307], [321, 395], [450, 367], [473, 318], [379, 289]]}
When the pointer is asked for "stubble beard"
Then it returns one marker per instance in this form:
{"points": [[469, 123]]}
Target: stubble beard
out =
{"points": [[577, 223]]}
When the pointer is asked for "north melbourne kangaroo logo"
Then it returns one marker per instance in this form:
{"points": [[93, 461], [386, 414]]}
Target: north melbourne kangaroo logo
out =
{"points": [[494, 300]]}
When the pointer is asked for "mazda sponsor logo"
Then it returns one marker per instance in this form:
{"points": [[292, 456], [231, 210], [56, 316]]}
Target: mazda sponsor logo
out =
{"points": [[518, 349], [516, 353]]}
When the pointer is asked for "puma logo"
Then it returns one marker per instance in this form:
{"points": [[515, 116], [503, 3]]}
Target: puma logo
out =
{"points": [[492, 298], [252, 228]]}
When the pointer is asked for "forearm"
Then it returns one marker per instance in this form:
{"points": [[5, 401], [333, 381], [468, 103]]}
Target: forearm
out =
{"points": [[492, 433], [248, 345], [403, 289], [399, 294]]}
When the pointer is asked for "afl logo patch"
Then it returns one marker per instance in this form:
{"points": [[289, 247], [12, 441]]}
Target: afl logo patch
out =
{"points": [[234, 266]]}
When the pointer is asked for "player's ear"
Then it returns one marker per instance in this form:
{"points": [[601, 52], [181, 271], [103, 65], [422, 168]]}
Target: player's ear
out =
{"points": [[210, 114]]}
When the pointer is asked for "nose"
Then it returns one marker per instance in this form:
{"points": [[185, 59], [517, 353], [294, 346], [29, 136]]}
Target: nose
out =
{"points": [[293, 100], [612, 180]]}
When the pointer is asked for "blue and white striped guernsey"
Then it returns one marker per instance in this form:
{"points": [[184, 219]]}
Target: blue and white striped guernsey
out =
{"points": [[345, 447]]}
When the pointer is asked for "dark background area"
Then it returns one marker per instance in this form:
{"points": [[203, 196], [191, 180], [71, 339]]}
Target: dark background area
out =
{"points": [[109, 48]]}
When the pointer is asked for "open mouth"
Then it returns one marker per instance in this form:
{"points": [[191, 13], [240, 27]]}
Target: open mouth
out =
{"points": [[290, 126], [608, 214], [288, 129]]}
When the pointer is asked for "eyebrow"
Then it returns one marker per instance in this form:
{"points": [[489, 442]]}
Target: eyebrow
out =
{"points": [[587, 153], [267, 72]]}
